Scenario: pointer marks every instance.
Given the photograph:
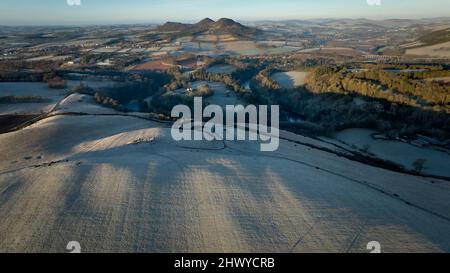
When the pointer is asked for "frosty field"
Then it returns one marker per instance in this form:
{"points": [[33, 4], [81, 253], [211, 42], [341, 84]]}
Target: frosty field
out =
{"points": [[119, 183]]}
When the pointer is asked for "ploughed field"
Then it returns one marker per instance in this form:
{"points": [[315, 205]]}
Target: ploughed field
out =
{"points": [[441, 50]]}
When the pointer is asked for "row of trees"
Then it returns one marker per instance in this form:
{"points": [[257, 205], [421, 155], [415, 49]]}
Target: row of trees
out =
{"points": [[329, 104], [228, 80], [434, 93], [265, 79], [54, 81], [400, 88], [22, 99]]}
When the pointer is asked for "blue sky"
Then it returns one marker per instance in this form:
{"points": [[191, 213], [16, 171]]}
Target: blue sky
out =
{"points": [[55, 12]]}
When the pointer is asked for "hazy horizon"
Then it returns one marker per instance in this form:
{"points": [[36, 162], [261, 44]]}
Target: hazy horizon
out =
{"points": [[103, 12]]}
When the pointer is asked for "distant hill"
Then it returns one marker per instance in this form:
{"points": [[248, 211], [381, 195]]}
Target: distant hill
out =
{"points": [[208, 26], [172, 26], [387, 23], [436, 37], [205, 23]]}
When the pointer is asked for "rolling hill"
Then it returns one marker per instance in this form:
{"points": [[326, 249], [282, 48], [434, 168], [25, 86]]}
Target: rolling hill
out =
{"points": [[436, 37], [434, 44], [118, 183]]}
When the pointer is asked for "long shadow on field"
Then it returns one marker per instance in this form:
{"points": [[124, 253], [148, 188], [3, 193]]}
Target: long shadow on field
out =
{"points": [[188, 201], [62, 137]]}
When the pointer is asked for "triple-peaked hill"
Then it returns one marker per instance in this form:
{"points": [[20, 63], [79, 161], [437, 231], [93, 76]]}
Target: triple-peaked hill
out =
{"points": [[207, 26]]}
